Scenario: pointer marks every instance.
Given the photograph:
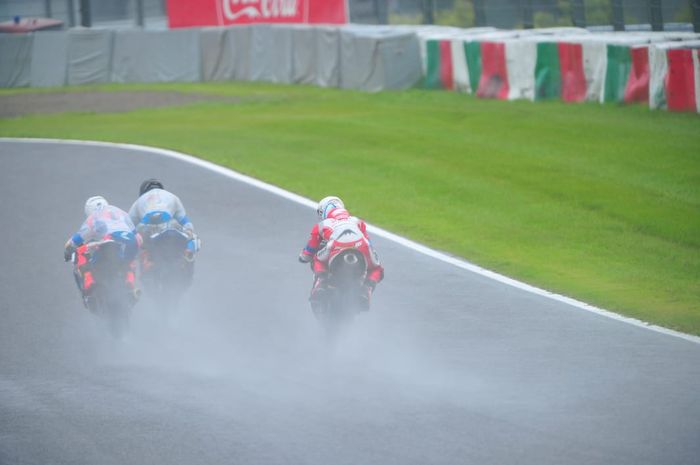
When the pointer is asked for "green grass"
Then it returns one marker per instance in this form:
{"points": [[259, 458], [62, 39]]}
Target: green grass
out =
{"points": [[601, 203]]}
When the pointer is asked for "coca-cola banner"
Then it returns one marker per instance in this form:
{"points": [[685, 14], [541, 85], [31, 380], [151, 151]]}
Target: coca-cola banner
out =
{"points": [[191, 13]]}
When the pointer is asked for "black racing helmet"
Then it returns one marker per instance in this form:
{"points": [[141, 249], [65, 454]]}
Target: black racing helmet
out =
{"points": [[149, 184]]}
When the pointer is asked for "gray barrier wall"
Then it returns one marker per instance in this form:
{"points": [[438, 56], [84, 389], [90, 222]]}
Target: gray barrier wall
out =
{"points": [[156, 56], [49, 66], [271, 53], [217, 54], [374, 59], [352, 57], [15, 60], [316, 56], [89, 56]]}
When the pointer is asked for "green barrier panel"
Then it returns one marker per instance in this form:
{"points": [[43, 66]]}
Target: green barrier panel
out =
{"points": [[547, 72], [472, 50], [617, 72], [432, 74]]}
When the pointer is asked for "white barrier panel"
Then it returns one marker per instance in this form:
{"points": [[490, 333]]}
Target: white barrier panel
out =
{"points": [[521, 57], [156, 56], [459, 66], [49, 64], [595, 62], [15, 60]]}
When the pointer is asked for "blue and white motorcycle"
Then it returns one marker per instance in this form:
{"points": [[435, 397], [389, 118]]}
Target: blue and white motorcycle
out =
{"points": [[167, 260]]}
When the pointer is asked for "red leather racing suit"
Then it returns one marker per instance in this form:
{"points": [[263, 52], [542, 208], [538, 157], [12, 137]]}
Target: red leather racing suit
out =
{"points": [[321, 233]]}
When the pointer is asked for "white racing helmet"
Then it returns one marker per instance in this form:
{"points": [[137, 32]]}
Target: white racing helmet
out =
{"points": [[327, 204], [94, 204]]}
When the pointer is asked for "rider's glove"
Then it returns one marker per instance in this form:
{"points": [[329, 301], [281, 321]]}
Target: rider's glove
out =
{"points": [[193, 246], [304, 258], [68, 252]]}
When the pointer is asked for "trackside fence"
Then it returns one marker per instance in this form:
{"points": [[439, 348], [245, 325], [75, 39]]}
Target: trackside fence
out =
{"points": [[661, 69]]}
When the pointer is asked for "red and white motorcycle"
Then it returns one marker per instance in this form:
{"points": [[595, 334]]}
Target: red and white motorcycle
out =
{"points": [[349, 256], [107, 282]]}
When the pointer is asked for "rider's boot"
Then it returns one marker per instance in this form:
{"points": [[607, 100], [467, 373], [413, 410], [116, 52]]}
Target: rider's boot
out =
{"points": [[134, 290], [318, 291], [366, 295], [86, 290], [146, 263], [79, 283]]}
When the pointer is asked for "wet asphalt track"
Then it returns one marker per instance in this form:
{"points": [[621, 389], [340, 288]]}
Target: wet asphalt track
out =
{"points": [[448, 368]]}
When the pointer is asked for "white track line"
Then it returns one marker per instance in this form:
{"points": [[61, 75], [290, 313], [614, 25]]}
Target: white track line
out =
{"points": [[373, 229]]}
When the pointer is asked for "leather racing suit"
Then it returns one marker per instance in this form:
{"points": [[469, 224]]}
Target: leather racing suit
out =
{"points": [[314, 252], [109, 222], [157, 207]]}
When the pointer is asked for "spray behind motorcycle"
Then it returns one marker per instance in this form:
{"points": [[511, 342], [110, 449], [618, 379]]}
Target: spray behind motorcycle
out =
{"points": [[107, 272], [346, 252], [167, 263]]}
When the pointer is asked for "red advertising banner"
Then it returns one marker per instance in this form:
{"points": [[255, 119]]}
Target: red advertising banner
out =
{"points": [[192, 13]]}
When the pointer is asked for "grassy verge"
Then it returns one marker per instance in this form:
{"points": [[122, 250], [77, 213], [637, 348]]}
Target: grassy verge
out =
{"points": [[601, 203]]}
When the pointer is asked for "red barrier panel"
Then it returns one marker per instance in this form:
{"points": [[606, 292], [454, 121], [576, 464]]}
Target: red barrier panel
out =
{"points": [[446, 65], [193, 13], [494, 74], [637, 88], [573, 78], [680, 80], [327, 12]]}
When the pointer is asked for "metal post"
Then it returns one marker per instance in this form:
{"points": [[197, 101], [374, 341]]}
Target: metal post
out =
{"points": [[381, 11], [618, 15], [139, 13], [578, 13], [479, 13], [47, 8], [71, 12], [526, 14], [657, 20], [85, 15], [428, 11], [695, 6]]}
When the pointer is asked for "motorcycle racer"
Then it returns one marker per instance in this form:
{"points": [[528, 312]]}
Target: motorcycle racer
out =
{"points": [[156, 206], [103, 221], [333, 215]]}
